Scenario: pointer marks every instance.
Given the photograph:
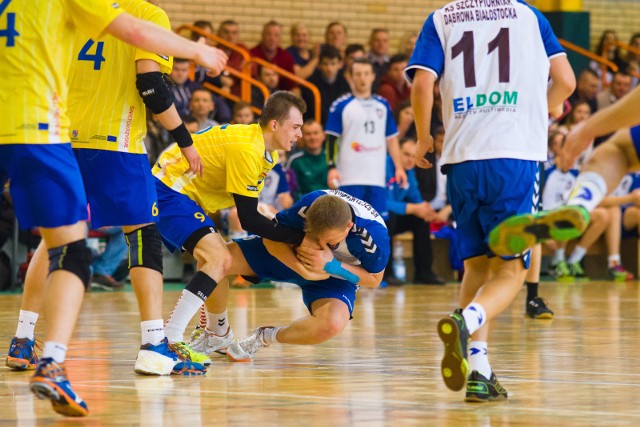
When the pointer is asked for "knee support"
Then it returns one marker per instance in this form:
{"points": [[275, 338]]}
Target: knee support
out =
{"points": [[145, 248], [74, 257], [201, 285]]}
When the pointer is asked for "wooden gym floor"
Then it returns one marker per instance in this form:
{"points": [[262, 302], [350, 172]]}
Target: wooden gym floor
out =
{"points": [[579, 369]]}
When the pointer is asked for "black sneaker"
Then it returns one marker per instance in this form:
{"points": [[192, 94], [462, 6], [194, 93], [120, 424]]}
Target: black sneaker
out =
{"points": [[454, 334], [537, 309], [480, 389], [105, 282]]}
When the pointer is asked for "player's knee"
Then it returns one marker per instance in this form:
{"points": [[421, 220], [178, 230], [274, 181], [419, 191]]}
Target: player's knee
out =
{"points": [[331, 327], [599, 215], [145, 248], [219, 261], [74, 257]]}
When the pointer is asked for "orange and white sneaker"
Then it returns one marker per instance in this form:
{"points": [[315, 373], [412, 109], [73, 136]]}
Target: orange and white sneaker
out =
{"points": [[244, 349]]}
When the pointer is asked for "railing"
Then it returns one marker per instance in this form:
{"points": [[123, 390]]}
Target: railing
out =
{"points": [[250, 80], [626, 47], [604, 62]]}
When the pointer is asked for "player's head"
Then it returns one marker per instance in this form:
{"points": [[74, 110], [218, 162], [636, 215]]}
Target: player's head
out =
{"points": [[282, 119], [329, 219], [363, 76]]}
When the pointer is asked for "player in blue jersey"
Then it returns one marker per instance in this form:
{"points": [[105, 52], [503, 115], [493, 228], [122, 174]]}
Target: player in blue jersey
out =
{"points": [[360, 130], [494, 63], [350, 248]]}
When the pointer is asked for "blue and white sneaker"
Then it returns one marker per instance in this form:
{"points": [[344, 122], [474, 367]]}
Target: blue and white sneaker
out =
{"points": [[50, 382], [163, 359], [22, 354]]}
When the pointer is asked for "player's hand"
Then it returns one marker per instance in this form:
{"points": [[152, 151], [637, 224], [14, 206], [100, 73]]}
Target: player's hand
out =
{"points": [[333, 179], [315, 259], [210, 57], [311, 275], [576, 141], [424, 147], [401, 177], [635, 197], [193, 158]]}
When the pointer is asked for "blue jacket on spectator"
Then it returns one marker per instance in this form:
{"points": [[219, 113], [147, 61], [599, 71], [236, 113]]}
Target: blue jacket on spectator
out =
{"points": [[398, 197]]}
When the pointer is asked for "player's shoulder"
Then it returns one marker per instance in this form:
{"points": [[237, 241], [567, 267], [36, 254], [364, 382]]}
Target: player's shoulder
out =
{"points": [[341, 102], [381, 99]]}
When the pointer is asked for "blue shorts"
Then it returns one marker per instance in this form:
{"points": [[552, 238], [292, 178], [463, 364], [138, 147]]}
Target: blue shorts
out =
{"points": [[635, 138], [625, 232], [375, 196], [267, 267], [46, 184], [483, 193], [120, 187], [180, 217]]}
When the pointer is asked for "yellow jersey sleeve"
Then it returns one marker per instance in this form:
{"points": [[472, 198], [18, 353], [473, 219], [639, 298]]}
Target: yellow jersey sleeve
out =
{"points": [[92, 17], [244, 172], [159, 17]]}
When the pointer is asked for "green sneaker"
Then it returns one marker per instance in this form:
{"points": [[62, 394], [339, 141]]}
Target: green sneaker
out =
{"points": [[516, 234], [561, 272], [480, 389], [576, 270], [183, 349], [619, 274], [454, 334]]}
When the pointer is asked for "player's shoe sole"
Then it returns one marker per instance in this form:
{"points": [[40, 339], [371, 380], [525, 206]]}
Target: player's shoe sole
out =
{"points": [[20, 364], [454, 367], [517, 234]]}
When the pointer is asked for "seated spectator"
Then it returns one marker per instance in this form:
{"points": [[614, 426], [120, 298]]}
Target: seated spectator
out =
{"points": [[352, 52], [403, 115], [243, 114], [632, 59], [202, 106], [409, 212], [587, 89], [105, 263], [269, 49], [579, 113], [620, 86], [230, 31], [335, 34], [205, 26], [612, 53], [439, 202], [407, 43], [191, 123], [270, 79], [329, 81], [379, 53], [310, 164], [305, 55], [183, 87], [393, 86]]}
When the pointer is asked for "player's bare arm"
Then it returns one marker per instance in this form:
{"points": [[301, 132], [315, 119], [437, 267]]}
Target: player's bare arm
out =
{"points": [[285, 254], [393, 147], [318, 260], [422, 102]]}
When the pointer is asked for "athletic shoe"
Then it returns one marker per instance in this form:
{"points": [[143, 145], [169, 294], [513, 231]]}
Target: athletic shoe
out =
{"points": [[162, 359], [105, 282], [480, 389], [187, 353], [454, 334], [22, 354], [196, 334], [561, 272], [50, 382], [619, 274], [537, 309], [577, 272], [518, 233], [243, 350], [207, 342]]}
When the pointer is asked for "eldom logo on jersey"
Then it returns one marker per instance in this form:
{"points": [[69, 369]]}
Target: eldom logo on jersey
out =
{"points": [[483, 100]]}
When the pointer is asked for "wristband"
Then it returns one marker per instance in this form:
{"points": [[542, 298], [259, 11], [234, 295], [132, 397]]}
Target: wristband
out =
{"points": [[182, 136], [335, 268]]}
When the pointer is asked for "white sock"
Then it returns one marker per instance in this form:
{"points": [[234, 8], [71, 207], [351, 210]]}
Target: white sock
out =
{"points": [[478, 360], [152, 331], [578, 253], [269, 334], [186, 307], [54, 350], [589, 191], [26, 324], [558, 256], [614, 260], [474, 316], [218, 323]]}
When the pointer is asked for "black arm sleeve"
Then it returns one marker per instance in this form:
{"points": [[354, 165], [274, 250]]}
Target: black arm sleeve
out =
{"points": [[255, 223], [331, 150]]}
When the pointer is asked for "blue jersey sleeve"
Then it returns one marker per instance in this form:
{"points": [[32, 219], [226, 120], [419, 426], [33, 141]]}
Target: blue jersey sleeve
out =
{"points": [[283, 185], [295, 216], [334, 118], [551, 44], [370, 244], [428, 53], [392, 129]]}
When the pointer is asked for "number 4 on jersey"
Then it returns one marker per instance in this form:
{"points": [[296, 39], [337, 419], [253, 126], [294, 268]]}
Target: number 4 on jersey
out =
{"points": [[96, 58], [10, 32]]}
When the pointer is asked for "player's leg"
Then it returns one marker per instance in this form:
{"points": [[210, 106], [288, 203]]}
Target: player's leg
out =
{"points": [[620, 221], [535, 307], [600, 219]]}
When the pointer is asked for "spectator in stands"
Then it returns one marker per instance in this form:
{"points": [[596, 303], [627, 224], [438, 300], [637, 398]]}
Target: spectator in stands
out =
{"points": [[305, 54], [105, 264], [270, 79], [230, 31], [335, 35], [439, 201], [242, 113], [612, 53], [620, 86], [632, 59], [393, 86], [379, 53], [329, 81], [310, 164], [403, 115], [409, 212], [579, 113], [269, 49], [587, 89], [407, 43], [183, 87], [205, 26], [191, 123], [157, 138], [352, 52], [202, 107]]}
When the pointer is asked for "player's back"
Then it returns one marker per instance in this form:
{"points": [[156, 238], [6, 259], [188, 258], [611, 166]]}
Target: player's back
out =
{"points": [[494, 59], [35, 50], [105, 108]]}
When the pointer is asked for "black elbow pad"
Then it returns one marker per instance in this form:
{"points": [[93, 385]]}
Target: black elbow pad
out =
{"points": [[154, 92]]}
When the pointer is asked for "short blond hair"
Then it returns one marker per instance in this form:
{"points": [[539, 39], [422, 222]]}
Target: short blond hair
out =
{"points": [[327, 213]]}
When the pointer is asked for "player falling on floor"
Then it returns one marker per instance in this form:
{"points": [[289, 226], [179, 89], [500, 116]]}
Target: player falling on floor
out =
{"points": [[46, 184], [493, 63], [600, 175], [237, 159], [112, 158]]}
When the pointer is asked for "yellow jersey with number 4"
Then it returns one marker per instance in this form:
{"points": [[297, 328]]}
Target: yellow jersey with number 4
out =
{"points": [[235, 161], [36, 47], [106, 110]]}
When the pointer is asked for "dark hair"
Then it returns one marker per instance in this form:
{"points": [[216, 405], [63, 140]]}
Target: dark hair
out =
{"points": [[240, 105], [201, 89], [228, 22], [588, 71], [616, 52], [278, 106], [406, 139], [333, 24], [378, 30], [180, 60], [397, 58], [189, 119], [401, 106], [200, 24], [353, 47], [361, 61], [329, 52]]}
